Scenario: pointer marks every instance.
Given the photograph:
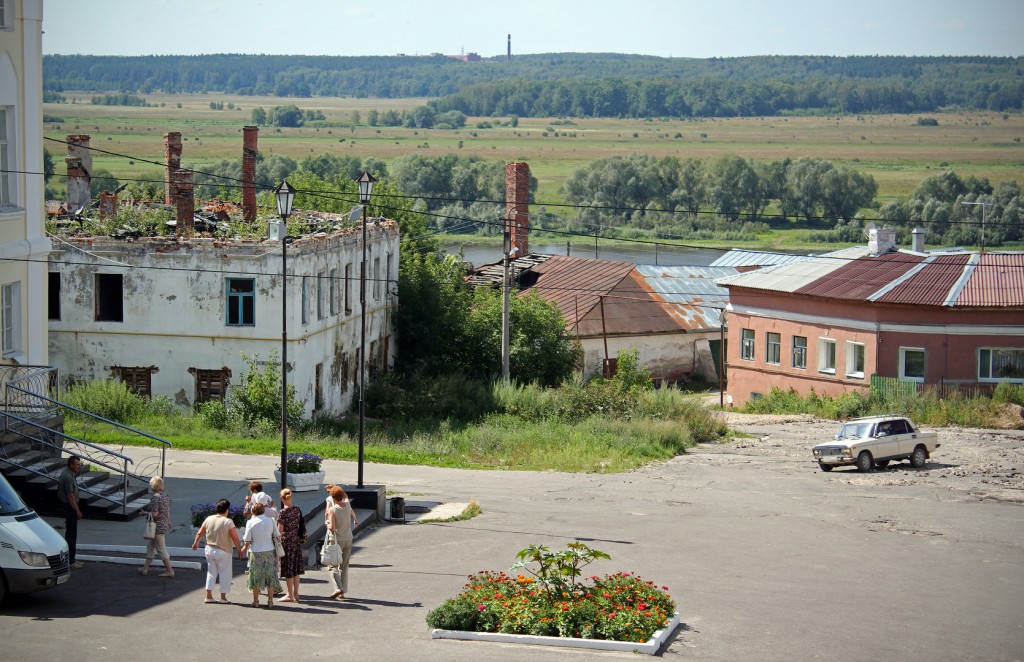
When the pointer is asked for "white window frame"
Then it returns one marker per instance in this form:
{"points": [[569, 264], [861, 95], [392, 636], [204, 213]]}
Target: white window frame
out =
{"points": [[985, 376], [773, 348], [748, 340], [855, 351], [801, 352], [902, 367], [8, 160], [827, 356], [10, 312], [5, 24]]}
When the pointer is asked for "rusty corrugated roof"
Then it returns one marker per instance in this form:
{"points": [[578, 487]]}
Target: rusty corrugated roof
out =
{"points": [[576, 284], [997, 280], [929, 283], [861, 278]]}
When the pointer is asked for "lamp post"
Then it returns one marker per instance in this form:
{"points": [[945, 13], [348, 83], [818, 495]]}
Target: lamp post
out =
{"points": [[285, 194], [984, 207], [365, 182]]}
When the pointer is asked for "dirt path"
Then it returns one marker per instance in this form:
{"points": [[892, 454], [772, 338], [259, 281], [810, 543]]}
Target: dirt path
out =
{"points": [[979, 464]]}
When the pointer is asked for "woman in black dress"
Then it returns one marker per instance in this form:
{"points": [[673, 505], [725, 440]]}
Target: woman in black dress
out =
{"points": [[292, 536]]}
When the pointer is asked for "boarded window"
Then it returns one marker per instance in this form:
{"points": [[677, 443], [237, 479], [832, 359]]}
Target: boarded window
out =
{"points": [[109, 298], [139, 380], [210, 384]]}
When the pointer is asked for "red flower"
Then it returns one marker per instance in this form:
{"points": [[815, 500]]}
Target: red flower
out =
{"points": [[480, 607]]}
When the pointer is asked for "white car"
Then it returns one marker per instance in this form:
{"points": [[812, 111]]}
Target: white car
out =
{"points": [[872, 442]]}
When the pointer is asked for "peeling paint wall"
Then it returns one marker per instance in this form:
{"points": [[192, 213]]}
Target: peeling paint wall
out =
{"points": [[668, 357], [175, 310]]}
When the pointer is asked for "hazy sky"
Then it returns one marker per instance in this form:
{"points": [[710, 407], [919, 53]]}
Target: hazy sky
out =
{"points": [[676, 28]]}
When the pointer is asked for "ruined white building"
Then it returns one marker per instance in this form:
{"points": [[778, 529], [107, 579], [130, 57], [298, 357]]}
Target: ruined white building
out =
{"points": [[173, 316]]}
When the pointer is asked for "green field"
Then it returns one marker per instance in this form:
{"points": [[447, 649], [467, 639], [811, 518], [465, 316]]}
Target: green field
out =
{"points": [[892, 148]]}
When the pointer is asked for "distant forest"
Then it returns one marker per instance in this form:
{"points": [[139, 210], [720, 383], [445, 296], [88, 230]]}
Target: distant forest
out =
{"points": [[576, 84]]}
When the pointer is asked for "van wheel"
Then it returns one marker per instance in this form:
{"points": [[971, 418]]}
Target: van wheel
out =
{"points": [[825, 467], [919, 457], [864, 462]]}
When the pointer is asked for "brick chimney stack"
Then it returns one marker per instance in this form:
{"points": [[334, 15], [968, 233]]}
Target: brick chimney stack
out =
{"points": [[249, 151], [79, 163], [108, 204], [517, 207], [172, 161], [183, 194]]}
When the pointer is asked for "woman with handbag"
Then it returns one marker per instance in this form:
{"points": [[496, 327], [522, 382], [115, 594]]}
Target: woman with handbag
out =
{"points": [[293, 534], [158, 524], [261, 540], [341, 519]]}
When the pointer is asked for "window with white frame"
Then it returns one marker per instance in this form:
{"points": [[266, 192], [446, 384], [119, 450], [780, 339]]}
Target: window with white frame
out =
{"points": [[855, 360], [3, 14], [800, 352], [8, 187], [912, 362], [827, 355], [773, 348], [747, 345], [1001, 364], [10, 311]]}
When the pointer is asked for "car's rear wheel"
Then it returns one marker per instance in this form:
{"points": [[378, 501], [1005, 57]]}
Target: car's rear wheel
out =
{"points": [[881, 464], [825, 467], [919, 457], [864, 462]]}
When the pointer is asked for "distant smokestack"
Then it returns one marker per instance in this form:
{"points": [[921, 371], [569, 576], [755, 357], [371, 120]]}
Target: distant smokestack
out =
{"points": [[249, 151], [508, 54]]}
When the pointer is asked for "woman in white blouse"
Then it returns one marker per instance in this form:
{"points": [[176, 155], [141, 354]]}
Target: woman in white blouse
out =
{"points": [[260, 534]]}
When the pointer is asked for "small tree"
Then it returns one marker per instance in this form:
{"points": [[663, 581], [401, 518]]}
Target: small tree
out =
{"points": [[256, 402]]}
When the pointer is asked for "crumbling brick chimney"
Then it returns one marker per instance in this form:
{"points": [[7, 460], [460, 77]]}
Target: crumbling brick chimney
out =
{"points": [[108, 204], [172, 161], [517, 207], [184, 202], [249, 151], [79, 162]]}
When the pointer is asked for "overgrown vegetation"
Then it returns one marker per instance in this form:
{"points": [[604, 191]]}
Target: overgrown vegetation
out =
{"points": [[930, 407]]}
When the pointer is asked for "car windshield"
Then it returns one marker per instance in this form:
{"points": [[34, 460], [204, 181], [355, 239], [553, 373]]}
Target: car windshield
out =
{"points": [[10, 502], [854, 431]]}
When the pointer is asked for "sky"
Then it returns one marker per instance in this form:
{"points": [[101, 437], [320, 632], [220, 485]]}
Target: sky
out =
{"points": [[664, 28]]}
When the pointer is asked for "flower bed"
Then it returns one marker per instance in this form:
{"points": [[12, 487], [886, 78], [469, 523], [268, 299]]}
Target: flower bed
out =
{"points": [[303, 463], [553, 603], [200, 511]]}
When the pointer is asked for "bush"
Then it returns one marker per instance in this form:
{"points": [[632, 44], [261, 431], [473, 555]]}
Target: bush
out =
{"points": [[256, 402], [108, 398]]}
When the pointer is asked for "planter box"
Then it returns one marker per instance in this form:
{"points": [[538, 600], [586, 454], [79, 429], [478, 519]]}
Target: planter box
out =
{"points": [[649, 647], [303, 482]]}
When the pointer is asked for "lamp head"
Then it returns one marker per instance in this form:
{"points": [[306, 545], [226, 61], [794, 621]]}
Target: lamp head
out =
{"points": [[285, 194], [365, 182]]}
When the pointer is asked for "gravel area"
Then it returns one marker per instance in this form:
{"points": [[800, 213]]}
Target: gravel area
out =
{"points": [[971, 463]]}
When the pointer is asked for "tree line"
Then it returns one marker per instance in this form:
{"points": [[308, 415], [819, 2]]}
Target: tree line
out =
{"points": [[576, 84]]}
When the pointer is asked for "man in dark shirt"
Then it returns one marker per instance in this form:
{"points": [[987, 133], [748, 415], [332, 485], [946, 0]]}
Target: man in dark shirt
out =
{"points": [[67, 493]]}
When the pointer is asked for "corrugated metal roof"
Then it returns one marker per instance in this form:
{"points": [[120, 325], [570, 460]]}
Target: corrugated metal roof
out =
{"points": [[859, 279], [998, 280], [576, 284], [795, 275], [694, 287], [741, 257], [931, 284]]}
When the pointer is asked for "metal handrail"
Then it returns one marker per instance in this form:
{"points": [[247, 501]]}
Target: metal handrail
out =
{"points": [[163, 449], [125, 459]]}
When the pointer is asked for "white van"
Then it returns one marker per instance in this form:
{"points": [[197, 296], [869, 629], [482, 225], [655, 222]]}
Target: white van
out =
{"points": [[33, 556]]}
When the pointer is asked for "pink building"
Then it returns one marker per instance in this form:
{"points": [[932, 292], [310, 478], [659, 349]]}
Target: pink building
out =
{"points": [[829, 323]]}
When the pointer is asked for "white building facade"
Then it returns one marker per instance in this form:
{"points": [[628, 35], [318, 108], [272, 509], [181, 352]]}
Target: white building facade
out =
{"points": [[23, 242], [174, 317]]}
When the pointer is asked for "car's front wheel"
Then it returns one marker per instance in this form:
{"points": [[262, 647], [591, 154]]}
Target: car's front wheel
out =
{"points": [[864, 462], [919, 457], [825, 467]]}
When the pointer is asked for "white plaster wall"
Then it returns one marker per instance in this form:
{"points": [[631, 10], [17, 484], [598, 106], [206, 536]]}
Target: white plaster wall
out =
{"points": [[668, 356], [175, 311]]}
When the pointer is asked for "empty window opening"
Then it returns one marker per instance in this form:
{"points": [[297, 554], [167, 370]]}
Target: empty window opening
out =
{"points": [[109, 298]]}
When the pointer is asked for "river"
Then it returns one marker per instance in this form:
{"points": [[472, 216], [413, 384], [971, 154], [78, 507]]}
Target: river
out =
{"points": [[659, 254]]}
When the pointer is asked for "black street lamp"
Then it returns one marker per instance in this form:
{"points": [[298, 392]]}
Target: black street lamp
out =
{"points": [[365, 182], [285, 194]]}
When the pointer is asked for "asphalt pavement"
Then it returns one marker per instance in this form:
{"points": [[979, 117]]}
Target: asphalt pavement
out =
{"points": [[768, 559]]}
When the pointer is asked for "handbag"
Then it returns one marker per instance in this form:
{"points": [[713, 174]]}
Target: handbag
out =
{"points": [[150, 531], [331, 553], [278, 548]]}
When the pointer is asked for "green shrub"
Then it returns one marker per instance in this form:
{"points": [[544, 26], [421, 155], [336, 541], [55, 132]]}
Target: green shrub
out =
{"points": [[256, 402], [1009, 393], [109, 398], [214, 414]]}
